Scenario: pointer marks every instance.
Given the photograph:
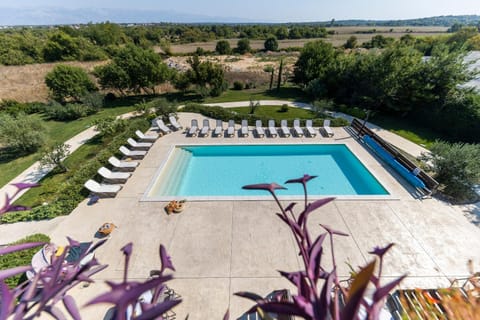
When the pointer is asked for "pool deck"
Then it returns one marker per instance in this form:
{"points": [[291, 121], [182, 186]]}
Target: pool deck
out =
{"points": [[221, 247]]}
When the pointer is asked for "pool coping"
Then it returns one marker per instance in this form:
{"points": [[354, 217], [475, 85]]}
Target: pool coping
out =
{"points": [[146, 198]]}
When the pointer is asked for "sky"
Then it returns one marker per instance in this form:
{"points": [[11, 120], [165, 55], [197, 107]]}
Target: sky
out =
{"points": [[277, 10]]}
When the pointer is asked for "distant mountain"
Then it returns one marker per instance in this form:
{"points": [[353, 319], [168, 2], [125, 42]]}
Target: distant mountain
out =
{"points": [[54, 15], [444, 21]]}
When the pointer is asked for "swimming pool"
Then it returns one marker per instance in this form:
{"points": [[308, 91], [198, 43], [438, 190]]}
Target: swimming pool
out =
{"points": [[221, 171]]}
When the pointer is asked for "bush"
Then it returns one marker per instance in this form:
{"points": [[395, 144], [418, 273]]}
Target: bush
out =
{"points": [[21, 133], [70, 111], [284, 108], [237, 85], [93, 100], [223, 47], [353, 111], [68, 83], [456, 167], [20, 258], [14, 107]]}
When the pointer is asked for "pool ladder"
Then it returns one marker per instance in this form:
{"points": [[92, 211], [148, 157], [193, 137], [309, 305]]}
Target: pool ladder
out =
{"points": [[172, 179]]}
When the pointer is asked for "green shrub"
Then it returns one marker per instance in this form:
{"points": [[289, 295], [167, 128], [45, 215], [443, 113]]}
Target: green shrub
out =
{"points": [[237, 85], [21, 134], [353, 111], [14, 107], [456, 167], [68, 112], [284, 108], [21, 258]]}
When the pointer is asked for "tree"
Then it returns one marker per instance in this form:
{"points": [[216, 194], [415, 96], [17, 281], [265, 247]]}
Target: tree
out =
{"points": [[351, 43], [223, 47], [133, 69], [315, 60], [243, 46], [68, 83], [208, 77], [61, 47], [55, 156], [271, 44], [456, 167], [21, 134], [280, 69]]}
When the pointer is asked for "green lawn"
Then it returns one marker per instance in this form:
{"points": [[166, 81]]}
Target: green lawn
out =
{"points": [[57, 132], [285, 93], [50, 183], [408, 130], [273, 112]]}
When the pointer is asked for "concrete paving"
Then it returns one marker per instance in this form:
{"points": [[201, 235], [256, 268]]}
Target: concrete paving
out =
{"points": [[221, 247]]}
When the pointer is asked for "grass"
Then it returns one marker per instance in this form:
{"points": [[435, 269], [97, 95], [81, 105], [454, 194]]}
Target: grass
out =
{"points": [[49, 184], [273, 112], [285, 93], [57, 132], [408, 130]]}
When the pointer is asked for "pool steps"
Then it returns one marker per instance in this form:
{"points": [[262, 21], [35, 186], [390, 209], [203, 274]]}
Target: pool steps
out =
{"points": [[174, 172]]}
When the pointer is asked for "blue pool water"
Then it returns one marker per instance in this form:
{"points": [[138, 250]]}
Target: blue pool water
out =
{"points": [[223, 170]]}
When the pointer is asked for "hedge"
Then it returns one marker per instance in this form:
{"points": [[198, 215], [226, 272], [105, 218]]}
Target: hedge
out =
{"points": [[226, 114], [21, 258]]}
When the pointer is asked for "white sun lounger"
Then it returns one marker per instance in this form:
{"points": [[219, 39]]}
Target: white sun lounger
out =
{"points": [[310, 129], [296, 128], [139, 145], [174, 123], [134, 154], [271, 128], [231, 128], [161, 125], [218, 128], [244, 129], [143, 137], [122, 165], [193, 128], [206, 128], [326, 127], [102, 190], [284, 128], [259, 129], [113, 177]]}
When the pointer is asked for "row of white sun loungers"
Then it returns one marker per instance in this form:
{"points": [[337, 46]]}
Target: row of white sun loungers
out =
{"points": [[158, 122], [244, 131], [112, 180]]}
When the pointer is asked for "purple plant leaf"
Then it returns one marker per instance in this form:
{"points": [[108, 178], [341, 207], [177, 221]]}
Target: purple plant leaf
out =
{"points": [[124, 294], [283, 308], [158, 310], [270, 187], [292, 224], [290, 206], [315, 257], [55, 312], [17, 208], [72, 242], [304, 304], [333, 231], [301, 180], [7, 273], [127, 249], [356, 292], [71, 307], [382, 292], [20, 247], [381, 251], [302, 219], [249, 295], [321, 310], [98, 244], [165, 259], [21, 185], [227, 315], [7, 299]]}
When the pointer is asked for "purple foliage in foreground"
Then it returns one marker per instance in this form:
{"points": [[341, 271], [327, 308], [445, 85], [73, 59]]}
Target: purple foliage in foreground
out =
{"points": [[51, 285], [319, 293]]}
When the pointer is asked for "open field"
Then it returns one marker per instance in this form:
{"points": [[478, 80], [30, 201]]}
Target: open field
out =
{"points": [[27, 83], [339, 38]]}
